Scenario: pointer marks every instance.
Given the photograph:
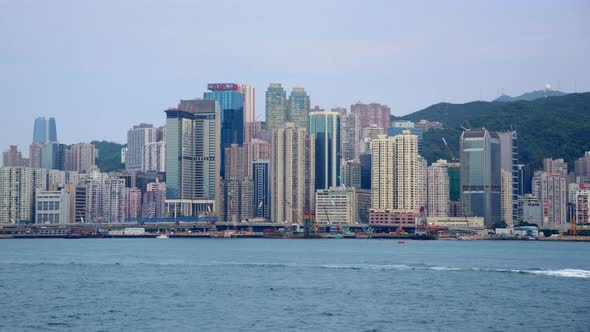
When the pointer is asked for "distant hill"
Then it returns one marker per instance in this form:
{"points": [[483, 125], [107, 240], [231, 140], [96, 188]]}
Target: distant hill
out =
{"points": [[557, 127], [109, 156], [532, 95]]}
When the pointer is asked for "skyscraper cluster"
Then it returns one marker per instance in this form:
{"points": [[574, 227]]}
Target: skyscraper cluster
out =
{"points": [[214, 159]]}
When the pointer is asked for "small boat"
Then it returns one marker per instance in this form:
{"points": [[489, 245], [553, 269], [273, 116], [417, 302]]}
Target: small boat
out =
{"points": [[402, 242], [162, 236]]}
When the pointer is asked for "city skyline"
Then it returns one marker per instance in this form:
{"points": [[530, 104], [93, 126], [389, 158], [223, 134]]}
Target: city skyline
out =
{"points": [[393, 61]]}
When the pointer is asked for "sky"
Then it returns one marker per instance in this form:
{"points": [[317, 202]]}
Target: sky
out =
{"points": [[100, 67]]}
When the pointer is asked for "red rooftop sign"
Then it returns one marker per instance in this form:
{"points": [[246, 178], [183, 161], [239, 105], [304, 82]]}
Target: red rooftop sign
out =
{"points": [[222, 87]]}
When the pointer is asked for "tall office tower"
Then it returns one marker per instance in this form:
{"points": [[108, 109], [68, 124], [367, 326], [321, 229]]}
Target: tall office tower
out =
{"points": [[369, 133], [35, 155], [231, 102], [421, 183], [292, 173], [438, 189], [137, 138], [365, 159], [261, 177], [336, 205], [351, 136], [133, 202], [114, 204], [582, 165], [325, 126], [52, 207], [298, 108], [154, 157], [276, 106], [249, 110], [525, 178], [454, 173], [192, 157], [351, 174], [372, 114], [397, 127], [45, 130], [83, 157], [236, 158], [551, 189], [506, 205], [481, 180], [394, 172], [555, 166], [12, 157], [509, 163], [53, 156]]}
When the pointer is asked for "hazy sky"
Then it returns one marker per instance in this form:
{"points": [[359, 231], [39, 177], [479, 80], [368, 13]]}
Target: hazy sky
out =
{"points": [[100, 67]]}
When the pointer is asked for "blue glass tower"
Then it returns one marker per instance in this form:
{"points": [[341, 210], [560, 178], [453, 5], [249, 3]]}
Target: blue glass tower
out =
{"points": [[231, 101], [326, 128], [261, 176], [45, 130]]}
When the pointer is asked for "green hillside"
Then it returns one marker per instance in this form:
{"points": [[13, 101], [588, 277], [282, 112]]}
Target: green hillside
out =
{"points": [[557, 127], [532, 95], [109, 156]]}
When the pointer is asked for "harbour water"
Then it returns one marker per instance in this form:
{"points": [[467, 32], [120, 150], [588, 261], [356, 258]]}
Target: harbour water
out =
{"points": [[297, 285]]}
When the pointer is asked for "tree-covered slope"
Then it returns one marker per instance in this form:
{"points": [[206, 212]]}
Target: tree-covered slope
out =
{"points": [[557, 127], [109, 156]]}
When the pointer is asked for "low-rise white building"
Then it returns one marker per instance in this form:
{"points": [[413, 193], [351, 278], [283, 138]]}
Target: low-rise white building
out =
{"points": [[336, 205], [53, 207]]}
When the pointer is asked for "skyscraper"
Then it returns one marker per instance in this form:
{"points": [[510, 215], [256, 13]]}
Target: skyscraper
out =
{"points": [[551, 189], [249, 111], [235, 162], [192, 157], [509, 163], [351, 173], [45, 130], [261, 176], [137, 138], [154, 157], [325, 126], [292, 173], [298, 108], [481, 180], [83, 157], [53, 156], [231, 102], [276, 106], [397, 127]]}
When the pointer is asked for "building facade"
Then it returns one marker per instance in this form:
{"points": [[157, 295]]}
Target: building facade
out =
{"points": [[298, 108], [276, 106], [137, 137], [325, 126], [438, 189]]}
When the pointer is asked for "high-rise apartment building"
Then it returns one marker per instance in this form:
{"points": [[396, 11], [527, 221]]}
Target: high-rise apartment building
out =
{"points": [[369, 133], [133, 202], [551, 189], [351, 174], [555, 166], [45, 130], [351, 136], [506, 205], [421, 183], [35, 155], [481, 180], [372, 114], [582, 165], [83, 157], [236, 158], [509, 163], [231, 102], [12, 157], [154, 157], [292, 173], [152, 205], [137, 138], [276, 106], [325, 126], [438, 189], [394, 173], [192, 157], [298, 108]]}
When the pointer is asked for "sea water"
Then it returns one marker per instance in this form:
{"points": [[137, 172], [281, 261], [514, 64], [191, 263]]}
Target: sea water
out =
{"points": [[295, 285]]}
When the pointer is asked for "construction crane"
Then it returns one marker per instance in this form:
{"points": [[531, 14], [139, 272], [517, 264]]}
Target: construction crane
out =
{"points": [[449, 149]]}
